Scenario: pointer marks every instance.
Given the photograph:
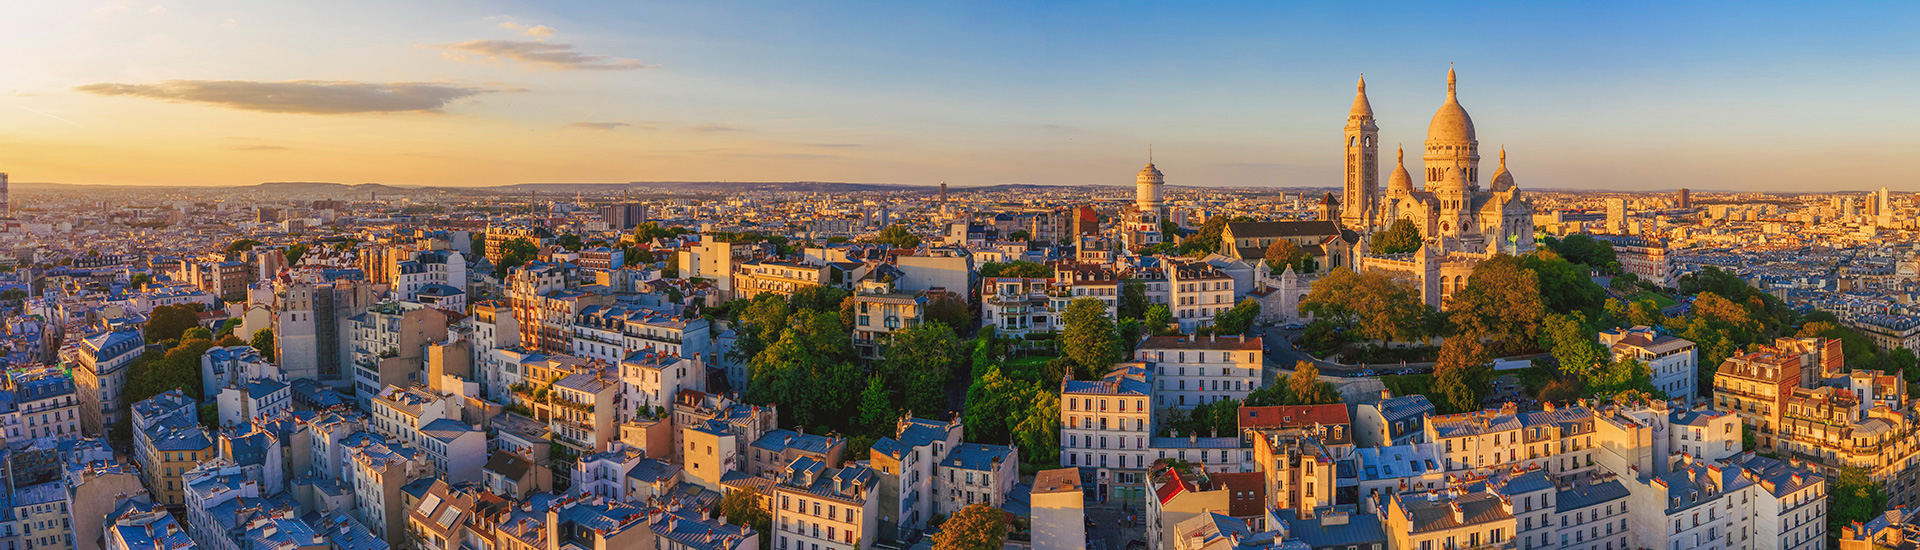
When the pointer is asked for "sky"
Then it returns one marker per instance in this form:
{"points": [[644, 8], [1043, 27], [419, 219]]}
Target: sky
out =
{"points": [[1594, 95]]}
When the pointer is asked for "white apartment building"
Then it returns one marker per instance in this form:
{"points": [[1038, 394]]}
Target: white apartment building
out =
{"points": [[1107, 425], [1671, 360], [1193, 370]]}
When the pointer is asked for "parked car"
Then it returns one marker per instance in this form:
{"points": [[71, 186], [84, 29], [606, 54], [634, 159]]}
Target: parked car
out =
{"points": [[1293, 326]]}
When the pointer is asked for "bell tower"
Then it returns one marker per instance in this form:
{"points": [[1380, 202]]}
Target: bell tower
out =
{"points": [[1361, 193]]}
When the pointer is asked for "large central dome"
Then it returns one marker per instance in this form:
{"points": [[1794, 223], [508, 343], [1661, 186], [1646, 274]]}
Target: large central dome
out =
{"points": [[1450, 123]]}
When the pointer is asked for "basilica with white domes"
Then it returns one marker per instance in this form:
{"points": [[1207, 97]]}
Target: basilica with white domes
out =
{"points": [[1451, 210]]}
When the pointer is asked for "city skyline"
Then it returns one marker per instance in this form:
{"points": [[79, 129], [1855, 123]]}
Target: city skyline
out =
{"points": [[500, 93]]}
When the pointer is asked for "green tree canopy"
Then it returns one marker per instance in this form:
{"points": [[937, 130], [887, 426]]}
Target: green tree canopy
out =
{"points": [[1238, 319], [1206, 240], [1564, 286], [1400, 237], [1133, 299], [976, 527], [171, 321], [1159, 320], [1377, 305], [1016, 268], [1501, 306], [898, 236], [263, 341], [514, 253], [1089, 337], [1284, 253], [918, 362]]}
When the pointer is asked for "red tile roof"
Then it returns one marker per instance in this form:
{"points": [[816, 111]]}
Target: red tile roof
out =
{"points": [[1173, 487], [1247, 493], [1294, 416]]}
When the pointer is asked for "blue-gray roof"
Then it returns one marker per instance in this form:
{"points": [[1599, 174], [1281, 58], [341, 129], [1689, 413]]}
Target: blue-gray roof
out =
{"points": [[1360, 530], [976, 456]]}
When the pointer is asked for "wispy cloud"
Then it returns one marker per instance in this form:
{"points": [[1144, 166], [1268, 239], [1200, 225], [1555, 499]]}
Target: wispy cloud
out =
{"points": [[550, 55], [536, 30], [256, 147], [297, 96], [710, 128], [600, 125]]}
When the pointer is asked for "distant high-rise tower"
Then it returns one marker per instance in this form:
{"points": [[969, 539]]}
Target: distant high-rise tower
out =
{"points": [[6, 209], [1617, 216], [1883, 207], [1361, 193], [943, 192], [1686, 199]]}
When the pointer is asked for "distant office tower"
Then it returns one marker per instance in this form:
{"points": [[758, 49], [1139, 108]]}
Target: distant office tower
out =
{"points": [[1883, 207], [268, 214], [943, 192], [623, 216], [6, 209], [1686, 199], [1616, 216]]}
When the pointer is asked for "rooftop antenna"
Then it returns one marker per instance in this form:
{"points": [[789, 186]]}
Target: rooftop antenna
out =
{"points": [[1149, 153]]}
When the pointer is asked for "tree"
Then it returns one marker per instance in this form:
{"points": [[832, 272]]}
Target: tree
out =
{"points": [[898, 236], [1159, 321], [241, 245], [761, 321], [1573, 344], [263, 341], [806, 370], [1501, 305], [1461, 375], [295, 252], [571, 242], [197, 333], [877, 414], [992, 401], [976, 527], [1089, 337], [1306, 387], [169, 322], [1855, 497], [743, 507], [1401, 237], [1016, 268], [227, 327], [1206, 240], [1020, 235], [1564, 287], [1586, 250], [918, 362], [140, 280], [1237, 319], [1133, 299], [1284, 253], [950, 310], [1378, 306], [514, 253]]}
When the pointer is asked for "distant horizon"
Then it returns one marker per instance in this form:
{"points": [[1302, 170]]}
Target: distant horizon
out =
{"points": [[1774, 98], [951, 187]]}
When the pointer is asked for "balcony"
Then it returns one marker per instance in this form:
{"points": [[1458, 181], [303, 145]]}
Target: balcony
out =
{"points": [[656, 338]]}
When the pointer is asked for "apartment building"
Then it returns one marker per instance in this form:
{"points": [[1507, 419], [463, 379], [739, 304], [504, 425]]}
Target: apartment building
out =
{"points": [[1192, 370], [1558, 439], [1392, 421], [1016, 307], [831, 508], [1106, 424], [907, 465], [390, 346], [975, 473], [782, 278], [100, 376], [1197, 292], [1671, 361]]}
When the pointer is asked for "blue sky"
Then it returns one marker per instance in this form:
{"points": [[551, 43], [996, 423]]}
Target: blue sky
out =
{"points": [[1596, 95]]}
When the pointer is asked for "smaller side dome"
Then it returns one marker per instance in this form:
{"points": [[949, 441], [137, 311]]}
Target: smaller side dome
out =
{"points": [[1400, 182], [1502, 179]]}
